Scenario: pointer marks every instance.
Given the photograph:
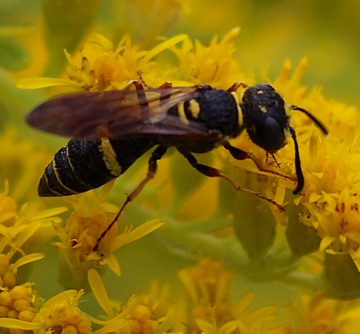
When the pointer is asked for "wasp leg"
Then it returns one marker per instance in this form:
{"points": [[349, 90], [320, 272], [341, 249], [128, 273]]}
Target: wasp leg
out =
{"points": [[152, 168], [141, 92], [234, 87], [239, 154], [235, 152], [299, 173], [213, 172], [166, 84], [274, 158]]}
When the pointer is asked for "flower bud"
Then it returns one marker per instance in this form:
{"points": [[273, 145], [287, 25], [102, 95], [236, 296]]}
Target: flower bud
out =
{"points": [[254, 225], [342, 276], [302, 239]]}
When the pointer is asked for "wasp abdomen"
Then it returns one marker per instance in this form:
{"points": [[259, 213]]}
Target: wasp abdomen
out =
{"points": [[87, 164]]}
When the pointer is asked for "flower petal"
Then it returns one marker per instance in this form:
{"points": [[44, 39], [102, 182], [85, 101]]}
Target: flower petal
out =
{"points": [[99, 291], [36, 83]]}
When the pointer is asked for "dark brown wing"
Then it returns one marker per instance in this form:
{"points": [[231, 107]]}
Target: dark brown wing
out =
{"points": [[116, 114]]}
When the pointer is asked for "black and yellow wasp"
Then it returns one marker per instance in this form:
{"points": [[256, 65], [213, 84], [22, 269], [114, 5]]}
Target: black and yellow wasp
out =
{"points": [[112, 129]]}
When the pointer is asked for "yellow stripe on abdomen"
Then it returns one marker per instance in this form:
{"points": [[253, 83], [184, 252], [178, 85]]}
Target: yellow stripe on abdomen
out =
{"points": [[109, 157]]}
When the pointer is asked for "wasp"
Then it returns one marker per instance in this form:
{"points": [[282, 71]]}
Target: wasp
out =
{"points": [[110, 130]]}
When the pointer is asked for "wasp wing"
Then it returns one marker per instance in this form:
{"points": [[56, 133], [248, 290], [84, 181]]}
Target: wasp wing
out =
{"points": [[116, 114]]}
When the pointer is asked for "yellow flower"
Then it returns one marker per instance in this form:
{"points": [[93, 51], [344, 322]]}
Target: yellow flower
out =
{"points": [[211, 64], [79, 236], [147, 313], [19, 232], [329, 202], [317, 314], [19, 229], [105, 67], [8, 209], [8, 270], [208, 285], [18, 308], [61, 314]]}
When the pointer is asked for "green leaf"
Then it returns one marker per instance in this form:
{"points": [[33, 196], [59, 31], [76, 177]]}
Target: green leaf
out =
{"points": [[13, 56]]}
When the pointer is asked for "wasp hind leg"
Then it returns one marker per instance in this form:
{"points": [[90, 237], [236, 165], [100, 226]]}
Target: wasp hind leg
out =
{"points": [[152, 168], [213, 172]]}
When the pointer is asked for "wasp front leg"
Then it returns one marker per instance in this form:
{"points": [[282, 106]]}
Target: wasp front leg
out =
{"points": [[214, 172], [239, 154]]}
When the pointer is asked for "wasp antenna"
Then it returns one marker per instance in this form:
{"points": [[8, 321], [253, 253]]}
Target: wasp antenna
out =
{"points": [[313, 118], [299, 173]]}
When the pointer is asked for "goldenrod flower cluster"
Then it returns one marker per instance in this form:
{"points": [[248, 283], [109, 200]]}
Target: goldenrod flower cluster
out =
{"points": [[190, 254]]}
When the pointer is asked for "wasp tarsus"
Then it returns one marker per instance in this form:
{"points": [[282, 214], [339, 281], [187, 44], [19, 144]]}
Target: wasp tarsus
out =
{"points": [[112, 129]]}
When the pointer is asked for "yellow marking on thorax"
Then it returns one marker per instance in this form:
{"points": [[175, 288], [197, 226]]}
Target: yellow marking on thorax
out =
{"points": [[181, 112], [194, 108], [239, 111], [109, 157], [263, 109]]}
